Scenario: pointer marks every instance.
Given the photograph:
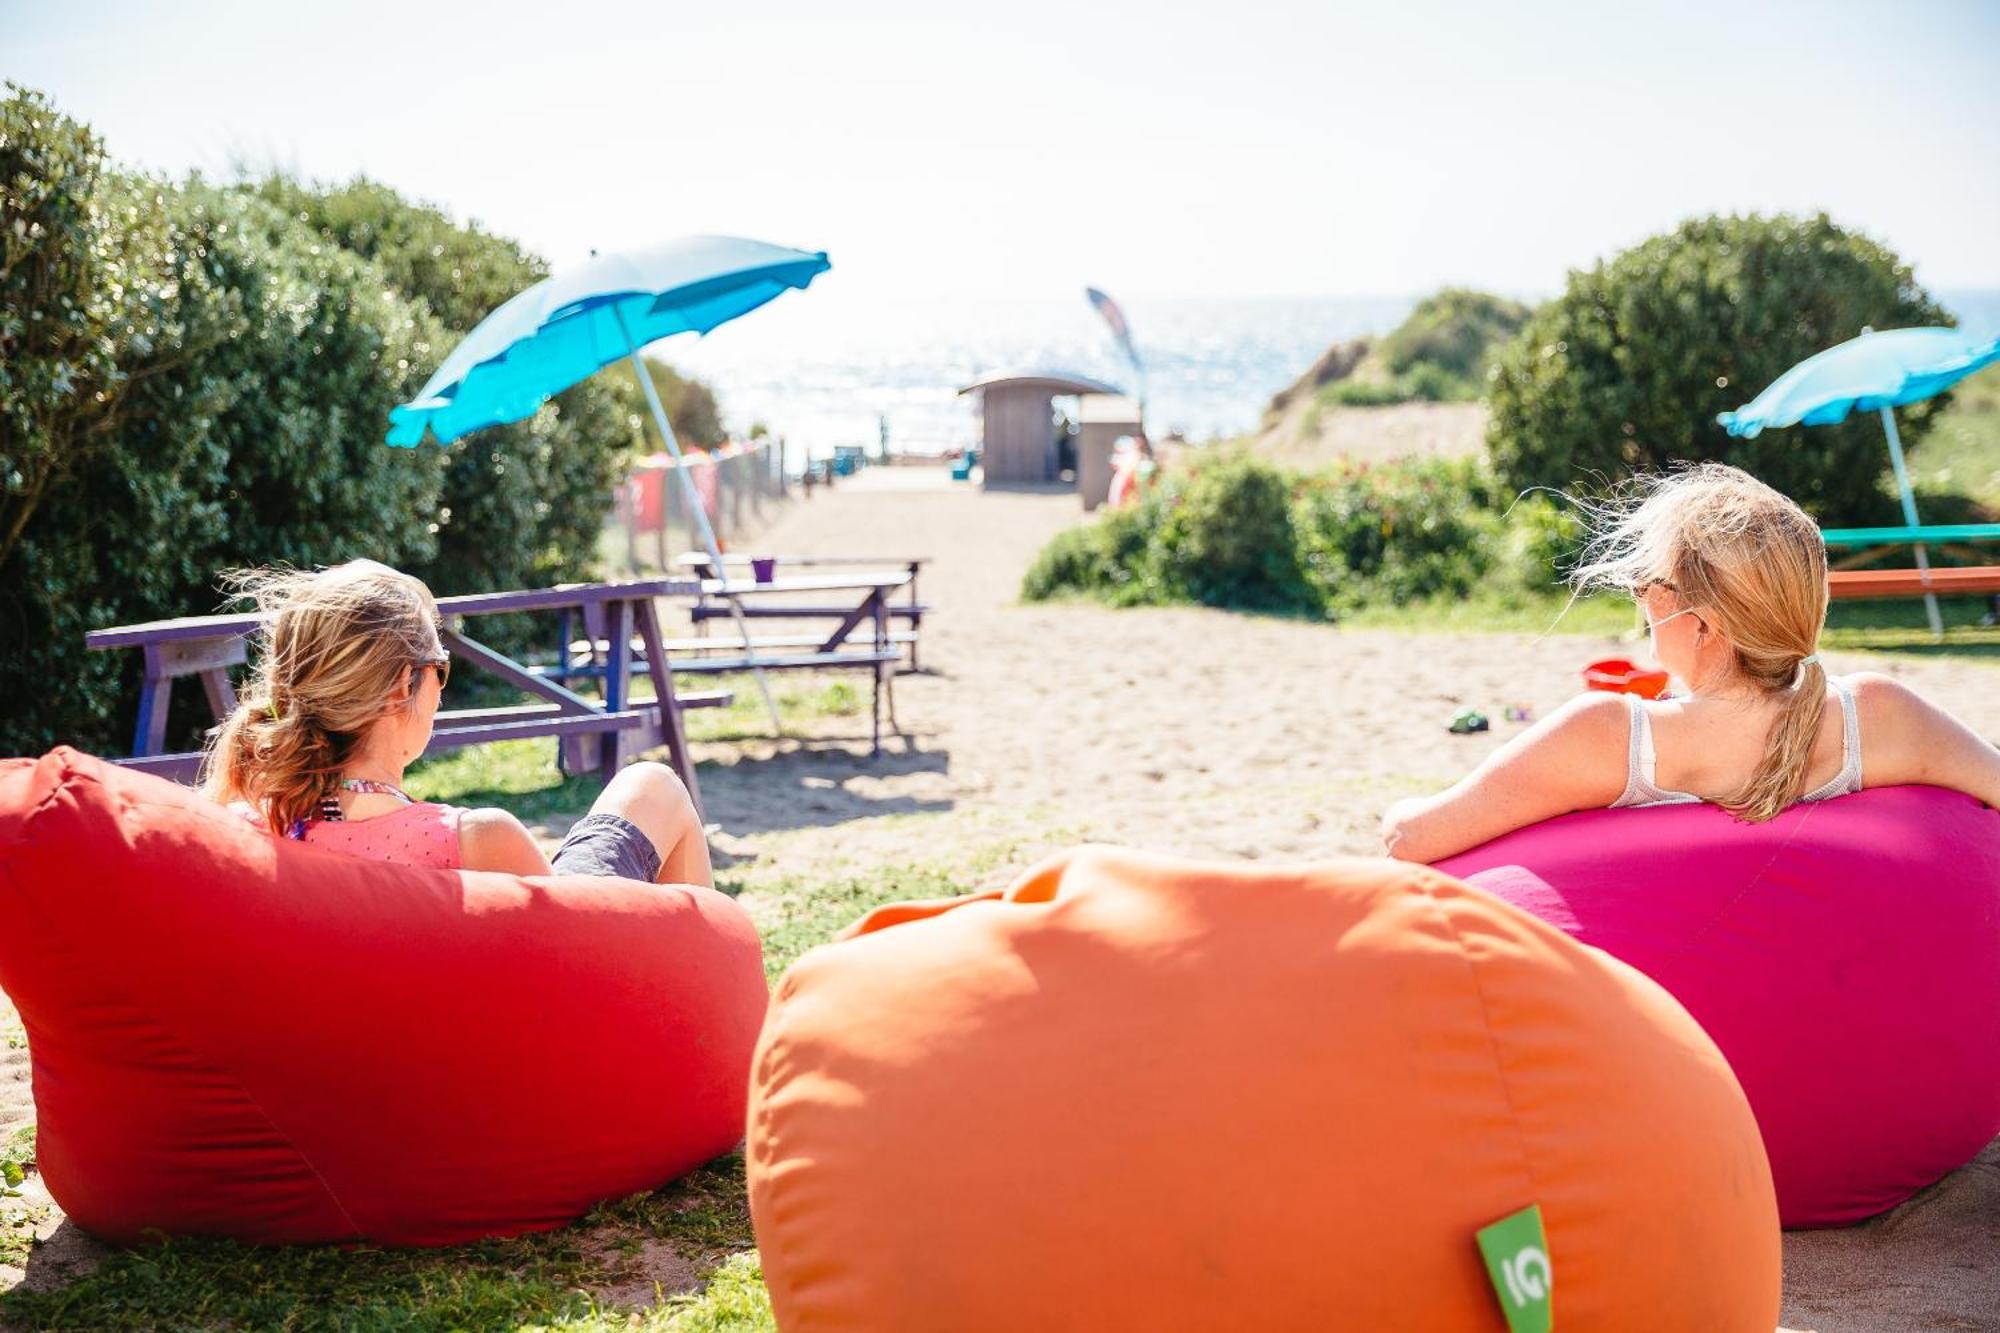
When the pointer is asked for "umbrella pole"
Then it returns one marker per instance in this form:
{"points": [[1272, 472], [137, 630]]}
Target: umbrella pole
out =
{"points": [[700, 523], [1910, 517]]}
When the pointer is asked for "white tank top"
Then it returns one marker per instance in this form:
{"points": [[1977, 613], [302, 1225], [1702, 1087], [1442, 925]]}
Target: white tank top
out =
{"points": [[1642, 764]]}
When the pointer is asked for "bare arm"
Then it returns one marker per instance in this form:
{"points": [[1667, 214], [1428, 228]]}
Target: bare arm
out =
{"points": [[1908, 739], [495, 840], [1573, 759]]}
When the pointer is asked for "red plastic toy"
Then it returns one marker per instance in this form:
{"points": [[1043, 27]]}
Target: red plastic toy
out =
{"points": [[1622, 677]]}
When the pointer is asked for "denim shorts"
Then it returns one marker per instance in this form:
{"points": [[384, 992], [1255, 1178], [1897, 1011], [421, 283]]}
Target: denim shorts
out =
{"points": [[605, 844]]}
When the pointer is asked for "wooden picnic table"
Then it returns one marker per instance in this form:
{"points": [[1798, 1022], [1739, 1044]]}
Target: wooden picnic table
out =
{"points": [[833, 649], [911, 610], [207, 646]]}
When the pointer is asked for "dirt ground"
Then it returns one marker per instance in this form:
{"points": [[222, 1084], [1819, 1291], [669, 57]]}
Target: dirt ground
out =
{"points": [[1034, 727]]}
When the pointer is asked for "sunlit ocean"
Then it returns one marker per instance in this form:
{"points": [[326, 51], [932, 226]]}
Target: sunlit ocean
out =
{"points": [[824, 368]]}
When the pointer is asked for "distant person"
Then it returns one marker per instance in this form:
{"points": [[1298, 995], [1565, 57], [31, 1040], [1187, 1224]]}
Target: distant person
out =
{"points": [[1132, 469], [1731, 577], [342, 701]]}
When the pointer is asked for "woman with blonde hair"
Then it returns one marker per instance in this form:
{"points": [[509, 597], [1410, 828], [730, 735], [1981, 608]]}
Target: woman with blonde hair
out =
{"points": [[342, 700], [1731, 577]]}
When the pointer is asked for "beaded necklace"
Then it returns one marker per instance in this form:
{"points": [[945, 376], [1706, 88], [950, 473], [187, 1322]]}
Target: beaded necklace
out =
{"points": [[329, 805]]}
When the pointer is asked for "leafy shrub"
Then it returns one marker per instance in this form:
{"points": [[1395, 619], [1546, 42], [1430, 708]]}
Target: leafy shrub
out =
{"points": [[1626, 371], [1454, 333], [1226, 538], [246, 433], [1236, 533], [1110, 559], [1411, 530], [97, 523]]}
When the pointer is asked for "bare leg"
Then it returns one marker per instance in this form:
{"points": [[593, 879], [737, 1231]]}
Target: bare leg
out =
{"points": [[653, 797]]}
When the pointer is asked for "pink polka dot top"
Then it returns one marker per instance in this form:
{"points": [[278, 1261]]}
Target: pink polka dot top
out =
{"points": [[423, 834]]}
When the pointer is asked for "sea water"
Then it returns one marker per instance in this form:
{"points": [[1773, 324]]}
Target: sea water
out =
{"points": [[844, 367]]}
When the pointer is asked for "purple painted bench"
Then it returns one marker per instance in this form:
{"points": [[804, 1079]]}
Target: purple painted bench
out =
{"points": [[601, 734]]}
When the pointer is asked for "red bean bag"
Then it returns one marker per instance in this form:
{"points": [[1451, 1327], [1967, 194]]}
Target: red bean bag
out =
{"points": [[239, 1035], [1142, 1093], [1845, 956]]}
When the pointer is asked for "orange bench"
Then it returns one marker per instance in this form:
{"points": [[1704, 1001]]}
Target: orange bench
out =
{"points": [[1848, 584], [1851, 583]]}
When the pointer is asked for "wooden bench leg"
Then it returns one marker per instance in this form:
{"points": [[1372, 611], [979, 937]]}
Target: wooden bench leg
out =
{"points": [[673, 729]]}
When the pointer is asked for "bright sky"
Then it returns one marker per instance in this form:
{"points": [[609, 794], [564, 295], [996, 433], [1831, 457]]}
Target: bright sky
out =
{"points": [[1164, 148]]}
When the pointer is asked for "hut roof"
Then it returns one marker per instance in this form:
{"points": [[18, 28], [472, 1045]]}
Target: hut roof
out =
{"points": [[1050, 381]]}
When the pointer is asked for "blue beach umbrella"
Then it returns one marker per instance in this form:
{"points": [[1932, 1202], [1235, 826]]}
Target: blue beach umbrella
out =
{"points": [[569, 326], [1876, 372]]}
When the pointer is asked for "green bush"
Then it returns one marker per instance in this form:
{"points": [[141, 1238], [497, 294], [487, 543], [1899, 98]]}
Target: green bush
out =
{"points": [[1226, 537], [247, 432], [1453, 333], [98, 523], [1626, 371], [1411, 530], [1235, 533]]}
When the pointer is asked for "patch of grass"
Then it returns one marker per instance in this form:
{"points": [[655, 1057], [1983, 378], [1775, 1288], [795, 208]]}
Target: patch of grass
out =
{"points": [[519, 776], [18, 1220], [735, 1301], [795, 914], [1498, 611], [800, 698], [541, 1281]]}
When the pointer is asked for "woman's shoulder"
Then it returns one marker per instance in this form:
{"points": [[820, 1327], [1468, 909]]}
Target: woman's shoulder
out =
{"points": [[1886, 706], [491, 839]]}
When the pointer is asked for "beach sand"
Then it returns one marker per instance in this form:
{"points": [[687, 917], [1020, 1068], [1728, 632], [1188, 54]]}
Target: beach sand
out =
{"points": [[1208, 734]]}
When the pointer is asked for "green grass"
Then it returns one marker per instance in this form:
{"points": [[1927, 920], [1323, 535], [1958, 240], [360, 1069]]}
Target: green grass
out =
{"points": [[541, 1281], [794, 915]]}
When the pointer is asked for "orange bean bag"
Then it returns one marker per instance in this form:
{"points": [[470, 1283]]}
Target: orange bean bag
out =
{"points": [[1134, 1092], [238, 1035]]}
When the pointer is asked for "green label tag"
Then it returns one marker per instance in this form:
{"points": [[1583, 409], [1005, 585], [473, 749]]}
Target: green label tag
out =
{"points": [[1517, 1259]]}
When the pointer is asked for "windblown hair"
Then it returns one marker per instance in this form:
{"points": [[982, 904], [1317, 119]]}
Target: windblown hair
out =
{"points": [[333, 648], [1754, 565]]}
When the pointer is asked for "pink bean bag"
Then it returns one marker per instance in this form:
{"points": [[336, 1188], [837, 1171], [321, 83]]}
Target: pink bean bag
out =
{"points": [[1844, 956], [238, 1035]]}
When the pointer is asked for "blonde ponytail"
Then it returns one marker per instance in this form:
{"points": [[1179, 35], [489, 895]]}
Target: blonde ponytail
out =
{"points": [[1780, 777], [334, 647]]}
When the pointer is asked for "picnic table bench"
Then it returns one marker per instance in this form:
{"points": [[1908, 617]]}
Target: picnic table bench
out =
{"points": [[207, 646], [1851, 578], [735, 566]]}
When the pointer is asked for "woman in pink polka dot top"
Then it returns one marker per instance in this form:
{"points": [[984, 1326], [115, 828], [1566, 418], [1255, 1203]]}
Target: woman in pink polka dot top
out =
{"points": [[343, 699]]}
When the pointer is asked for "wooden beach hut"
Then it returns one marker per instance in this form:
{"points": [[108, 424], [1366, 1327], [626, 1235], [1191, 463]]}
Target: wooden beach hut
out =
{"points": [[1017, 416]]}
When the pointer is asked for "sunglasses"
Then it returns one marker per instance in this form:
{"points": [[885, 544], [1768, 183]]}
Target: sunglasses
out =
{"points": [[443, 664]]}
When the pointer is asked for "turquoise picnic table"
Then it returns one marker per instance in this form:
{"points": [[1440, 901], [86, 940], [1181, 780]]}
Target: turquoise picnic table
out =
{"points": [[1941, 534], [1849, 576]]}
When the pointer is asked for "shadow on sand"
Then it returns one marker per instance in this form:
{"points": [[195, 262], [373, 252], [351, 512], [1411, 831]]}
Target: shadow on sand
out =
{"points": [[816, 784]]}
